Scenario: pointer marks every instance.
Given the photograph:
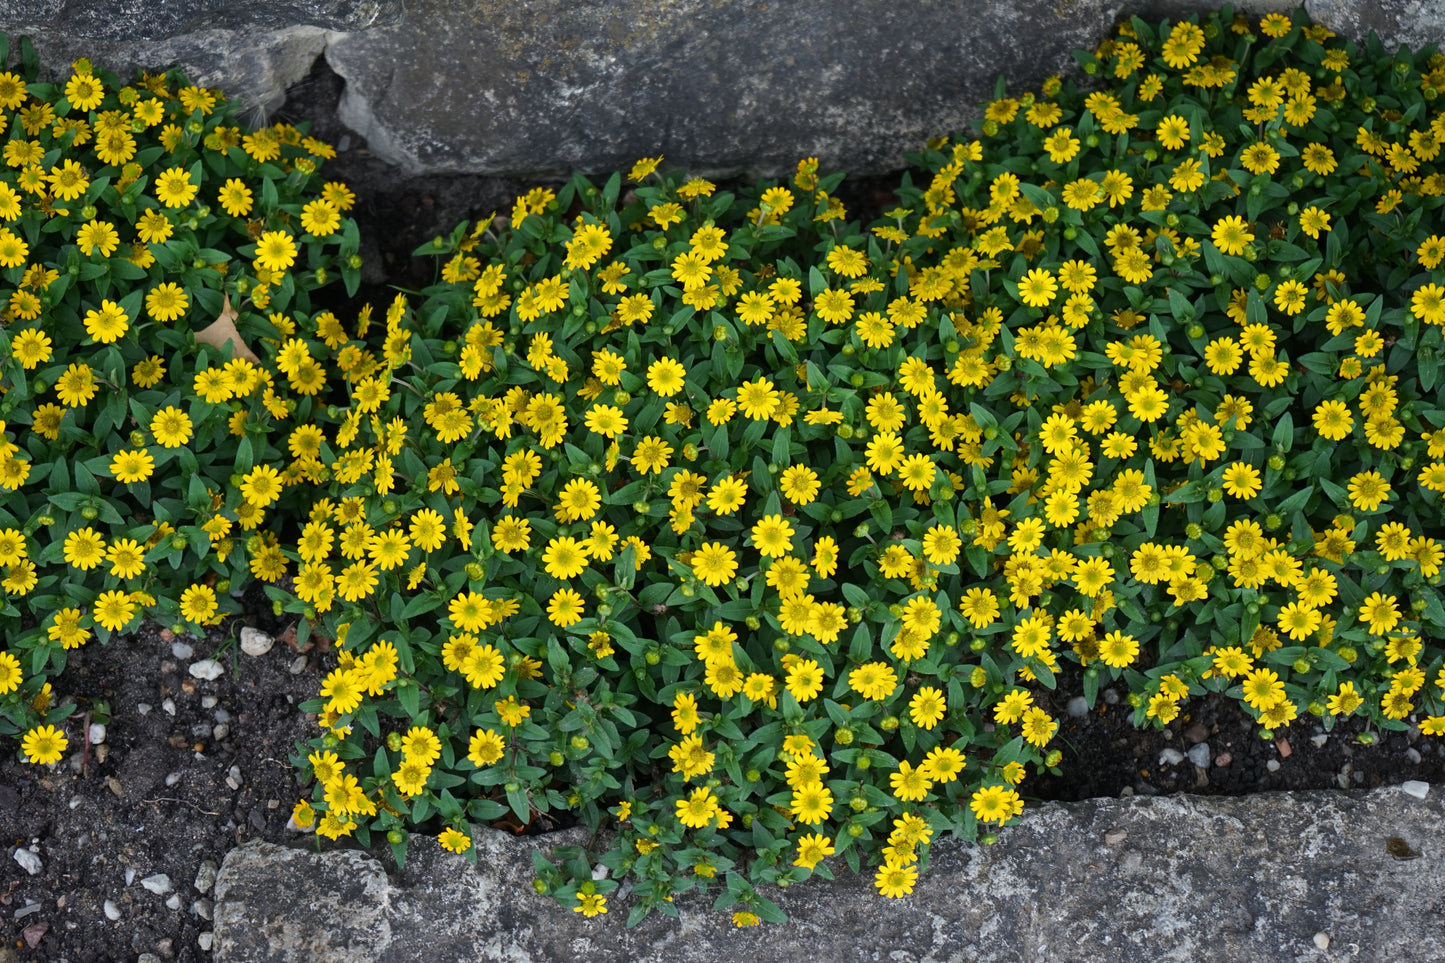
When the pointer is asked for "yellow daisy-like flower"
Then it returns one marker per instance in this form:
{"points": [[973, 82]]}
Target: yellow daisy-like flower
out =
{"points": [[174, 187], [275, 251]]}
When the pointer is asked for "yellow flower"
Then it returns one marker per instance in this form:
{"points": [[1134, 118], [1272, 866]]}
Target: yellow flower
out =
{"points": [[167, 301], [44, 745], [275, 251], [174, 187]]}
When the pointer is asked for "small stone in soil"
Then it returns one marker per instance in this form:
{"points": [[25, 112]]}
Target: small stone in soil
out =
{"points": [[160, 884], [182, 651], [142, 708], [170, 706], [28, 861], [174, 902], [26, 910], [255, 642], [1199, 755], [1078, 708], [1223, 760], [208, 669], [205, 940], [1413, 755], [96, 733], [1115, 836], [1170, 757], [1319, 740], [112, 912], [206, 876], [1322, 941], [208, 702], [1283, 746], [1272, 765]]}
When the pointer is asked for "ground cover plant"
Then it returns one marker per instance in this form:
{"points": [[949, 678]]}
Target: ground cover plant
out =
{"points": [[747, 534]]}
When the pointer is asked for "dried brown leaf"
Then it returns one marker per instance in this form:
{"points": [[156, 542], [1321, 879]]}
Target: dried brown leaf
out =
{"points": [[222, 330]]}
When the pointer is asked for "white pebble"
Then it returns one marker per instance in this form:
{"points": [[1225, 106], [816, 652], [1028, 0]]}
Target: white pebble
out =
{"points": [[205, 940], [1416, 788], [174, 902], [208, 702], [208, 669], [172, 779], [1199, 755], [1078, 707], [129, 875], [143, 708], [28, 861], [97, 733], [170, 706], [1171, 757], [112, 912], [1272, 765], [298, 665], [1413, 755], [1319, 740], [255, 642], [160, 884], [181, 650], [220, 732], [233, 777], [27, 909], [1322, 941]]}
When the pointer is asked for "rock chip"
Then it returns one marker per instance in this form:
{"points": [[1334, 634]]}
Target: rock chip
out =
{"points": [[1416, 788], [30, 862], [1199, 755], [160, 884], [1078, 707], [208, 669], [1170, 756], [112, 912], [255, 642]]}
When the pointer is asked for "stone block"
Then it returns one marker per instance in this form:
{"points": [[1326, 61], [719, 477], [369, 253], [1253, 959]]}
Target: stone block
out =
{"points": [[1263, 877], [140, 20], [1414, 23], [717, 86]]}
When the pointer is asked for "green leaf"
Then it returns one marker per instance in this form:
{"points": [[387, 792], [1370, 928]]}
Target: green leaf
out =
{"points": [[1283, 438]]}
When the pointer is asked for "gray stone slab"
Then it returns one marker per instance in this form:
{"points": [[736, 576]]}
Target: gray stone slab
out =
{"points": [[1277, 876], [1414, 23], [718, 86], [138, 20]]}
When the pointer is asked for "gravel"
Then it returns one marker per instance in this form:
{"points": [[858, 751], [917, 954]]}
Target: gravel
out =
{"points": [[208, 669], [28, 861], [160, 884]]}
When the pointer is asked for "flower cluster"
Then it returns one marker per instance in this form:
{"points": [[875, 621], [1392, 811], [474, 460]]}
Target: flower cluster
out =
{"points": [[758, 537], [141, 230]]}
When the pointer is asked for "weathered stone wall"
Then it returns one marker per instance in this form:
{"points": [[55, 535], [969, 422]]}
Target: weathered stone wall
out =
{"points": [[547, 86]]}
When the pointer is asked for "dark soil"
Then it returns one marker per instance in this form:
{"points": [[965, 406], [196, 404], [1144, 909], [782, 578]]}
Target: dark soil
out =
{"points": [[155, 797]]}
